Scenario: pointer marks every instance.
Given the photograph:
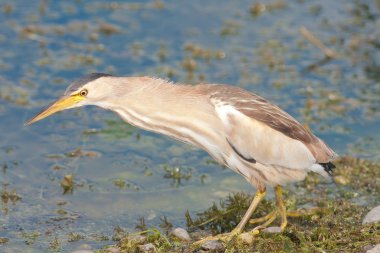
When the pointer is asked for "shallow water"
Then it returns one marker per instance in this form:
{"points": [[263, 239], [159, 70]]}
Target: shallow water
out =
{"points": [[45, 45]]}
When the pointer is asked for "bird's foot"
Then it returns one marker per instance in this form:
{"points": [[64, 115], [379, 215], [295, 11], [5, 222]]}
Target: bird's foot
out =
{"points": [[267, 220], [227, 238], [272, 216]]}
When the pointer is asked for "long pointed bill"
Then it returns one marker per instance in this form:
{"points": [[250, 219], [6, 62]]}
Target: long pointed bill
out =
{"points": [[61, 104]]}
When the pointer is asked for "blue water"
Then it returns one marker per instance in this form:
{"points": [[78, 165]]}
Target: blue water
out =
{"points": [[46, 45]]}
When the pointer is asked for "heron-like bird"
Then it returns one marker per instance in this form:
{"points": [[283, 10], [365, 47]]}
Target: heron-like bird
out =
{"points": [[239, 129]]}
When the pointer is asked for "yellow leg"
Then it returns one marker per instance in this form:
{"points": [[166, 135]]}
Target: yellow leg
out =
{"points": [[260, 194], [281, 212], [281, 207], [255, 202], [269, 218]]}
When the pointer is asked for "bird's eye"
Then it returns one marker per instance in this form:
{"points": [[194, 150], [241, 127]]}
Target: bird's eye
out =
{"points": [[83, 92]]}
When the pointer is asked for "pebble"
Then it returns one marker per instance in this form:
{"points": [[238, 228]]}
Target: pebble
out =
{"points": [[113, 250], [272, 230], [147, 248], [213, 245], [84, 247], [375, 249], [181, 234], [342, 180], [372, 216], [137, 239]]}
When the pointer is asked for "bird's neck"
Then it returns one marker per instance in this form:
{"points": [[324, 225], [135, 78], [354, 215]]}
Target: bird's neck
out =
{"points": [[182, 112]]}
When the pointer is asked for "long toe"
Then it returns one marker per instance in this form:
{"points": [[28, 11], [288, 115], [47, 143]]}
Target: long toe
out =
{"points": [[226, 237], [262, 219]]}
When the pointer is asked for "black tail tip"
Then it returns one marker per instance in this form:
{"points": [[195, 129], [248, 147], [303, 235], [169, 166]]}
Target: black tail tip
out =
{"points": [[328, 167]]}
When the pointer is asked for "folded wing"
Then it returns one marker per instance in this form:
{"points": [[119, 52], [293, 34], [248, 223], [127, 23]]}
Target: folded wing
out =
{"points": [[263, 132]]}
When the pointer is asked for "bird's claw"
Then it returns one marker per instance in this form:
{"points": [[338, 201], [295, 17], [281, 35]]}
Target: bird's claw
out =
{"points": [[227, 238], [220, 237]]}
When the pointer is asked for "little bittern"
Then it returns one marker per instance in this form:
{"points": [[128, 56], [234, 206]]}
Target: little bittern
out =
{"points": [[239, 129]]}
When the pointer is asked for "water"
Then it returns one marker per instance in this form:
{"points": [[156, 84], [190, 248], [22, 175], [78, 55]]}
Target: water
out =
{"points": [[45, 45]]}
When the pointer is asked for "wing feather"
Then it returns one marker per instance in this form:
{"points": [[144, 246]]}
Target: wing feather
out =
{"points": [[243, 111]]}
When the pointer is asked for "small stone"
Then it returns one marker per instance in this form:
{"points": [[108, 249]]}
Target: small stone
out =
{"points": [[181, 234], [84, 247], [272, 230], [151, 215], [373, 216], [375, 249], [147, 248], [342, 180], [137, 239], [213, 245], [113, 250]]}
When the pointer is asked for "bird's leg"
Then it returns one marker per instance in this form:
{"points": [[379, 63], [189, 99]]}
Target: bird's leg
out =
{"points": [[280, 211], [260, 194], [281, 206]]}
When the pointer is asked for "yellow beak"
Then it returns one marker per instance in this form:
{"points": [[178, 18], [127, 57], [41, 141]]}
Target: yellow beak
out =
{"points": [[61, 104]]}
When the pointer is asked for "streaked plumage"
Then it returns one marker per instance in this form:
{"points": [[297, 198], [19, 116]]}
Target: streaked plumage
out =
{"points": [[237, 128]]}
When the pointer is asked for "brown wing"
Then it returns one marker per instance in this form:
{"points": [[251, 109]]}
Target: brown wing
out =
{"points": [[271, 115]]}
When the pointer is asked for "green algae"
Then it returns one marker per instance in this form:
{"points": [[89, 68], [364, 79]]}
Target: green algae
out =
{"points": [[8, 197], [4, 240]]}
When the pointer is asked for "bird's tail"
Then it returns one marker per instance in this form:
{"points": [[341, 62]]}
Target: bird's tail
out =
{"points": [[325, 169]]}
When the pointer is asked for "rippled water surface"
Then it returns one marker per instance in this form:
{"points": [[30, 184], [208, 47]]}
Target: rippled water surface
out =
{"points": [[121, 173]]}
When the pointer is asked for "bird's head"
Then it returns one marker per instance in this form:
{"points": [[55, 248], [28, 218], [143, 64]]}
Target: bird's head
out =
{"points": [[84, 91]]}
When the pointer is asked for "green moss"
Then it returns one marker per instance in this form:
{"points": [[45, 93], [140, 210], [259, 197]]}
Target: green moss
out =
{"points": [[30, 237], [130, 242], [55, 245], [226, 215], [364, 175], [339, 229], [3, 240]]}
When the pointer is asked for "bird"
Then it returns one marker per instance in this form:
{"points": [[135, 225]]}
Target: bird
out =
{"points": [[238, 128]]}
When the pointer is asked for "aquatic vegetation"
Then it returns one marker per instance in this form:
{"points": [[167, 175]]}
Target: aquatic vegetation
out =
{"points": [[67, 184], [8, 197], [177, 174]]}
